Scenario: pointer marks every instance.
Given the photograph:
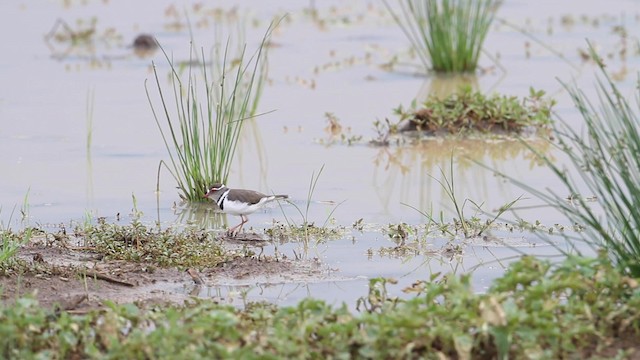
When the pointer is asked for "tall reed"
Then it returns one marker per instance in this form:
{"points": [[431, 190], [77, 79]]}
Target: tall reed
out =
{"points": [[447, 35], [201, 134], [605, 156]]}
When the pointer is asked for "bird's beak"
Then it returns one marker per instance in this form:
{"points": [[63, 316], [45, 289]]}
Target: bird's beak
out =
{"points": [[207, 194]]}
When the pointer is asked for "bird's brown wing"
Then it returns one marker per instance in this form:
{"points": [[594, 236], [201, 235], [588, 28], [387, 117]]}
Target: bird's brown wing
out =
{"points": [[247, 196]]}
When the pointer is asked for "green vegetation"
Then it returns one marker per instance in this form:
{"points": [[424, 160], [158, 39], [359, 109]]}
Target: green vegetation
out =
{"points": [[304, 229], [11, 241], [447, 35], [581, 308], [606, 159], [469, 227], [166, 247], [305, 223], [203, 133], [469, 111]]}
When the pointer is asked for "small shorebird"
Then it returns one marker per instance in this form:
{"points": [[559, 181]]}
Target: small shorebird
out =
{"points": [[239, 202]]}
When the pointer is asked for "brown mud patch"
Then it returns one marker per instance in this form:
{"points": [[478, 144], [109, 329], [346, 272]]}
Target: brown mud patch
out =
{"points": [[80, 280]]}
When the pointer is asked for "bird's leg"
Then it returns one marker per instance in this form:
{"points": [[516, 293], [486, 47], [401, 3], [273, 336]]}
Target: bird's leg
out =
{"points": [[236, 229], [244, 221]]}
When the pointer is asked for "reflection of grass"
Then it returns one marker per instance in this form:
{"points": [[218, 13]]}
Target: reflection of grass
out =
{"points": [[606, 161], [85, 32], [404, 165], [447, 35], [204, 132], [533, 311], [64, 39], [89, 140], [199, 215]]}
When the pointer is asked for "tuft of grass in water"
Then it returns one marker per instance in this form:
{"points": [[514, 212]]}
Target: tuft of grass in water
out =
{"points": [[580, 308], [305, 228], [204, 128], [469, 111], [605, 157], [447, 35], [470, 227]]}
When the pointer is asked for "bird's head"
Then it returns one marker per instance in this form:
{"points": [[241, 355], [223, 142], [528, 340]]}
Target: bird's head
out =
{"points": [[213, 190]]}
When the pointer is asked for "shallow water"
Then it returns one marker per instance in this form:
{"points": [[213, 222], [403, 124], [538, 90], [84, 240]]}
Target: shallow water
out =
{"points": [[328, 63]]}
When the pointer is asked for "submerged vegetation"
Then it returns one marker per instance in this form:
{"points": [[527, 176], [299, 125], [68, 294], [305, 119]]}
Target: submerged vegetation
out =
{"points": [[447, 35], [203, 132], [468, 112], [579, 308]]}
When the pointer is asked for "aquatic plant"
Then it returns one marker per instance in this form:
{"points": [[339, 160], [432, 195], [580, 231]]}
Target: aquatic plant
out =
{"points": [[203, 133], [447, 35], [305, 229], [606, 159], [469, 226], [469, 111]]}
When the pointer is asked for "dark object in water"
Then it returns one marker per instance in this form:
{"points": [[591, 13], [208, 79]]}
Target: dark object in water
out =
{"points": [[417, 122], [145, 42]]}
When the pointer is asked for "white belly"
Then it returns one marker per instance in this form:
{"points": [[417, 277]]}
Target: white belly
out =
{"points": [[240, 208]]}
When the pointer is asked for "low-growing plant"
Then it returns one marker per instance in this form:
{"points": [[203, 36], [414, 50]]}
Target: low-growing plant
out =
{"points": [[469, 111], [447, 35], [605, 158], [580, 308], [305, 229], [470, 227], [168, 247], [203, 133], [11, 241]]}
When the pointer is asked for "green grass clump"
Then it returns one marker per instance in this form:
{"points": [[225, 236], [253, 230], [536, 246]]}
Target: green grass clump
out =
{"points": [[469, 227], [210, 108], [10, 243], [581, 308], [447, 35], [165, 248], [604, 163], [305, 229], [468, 111]]}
